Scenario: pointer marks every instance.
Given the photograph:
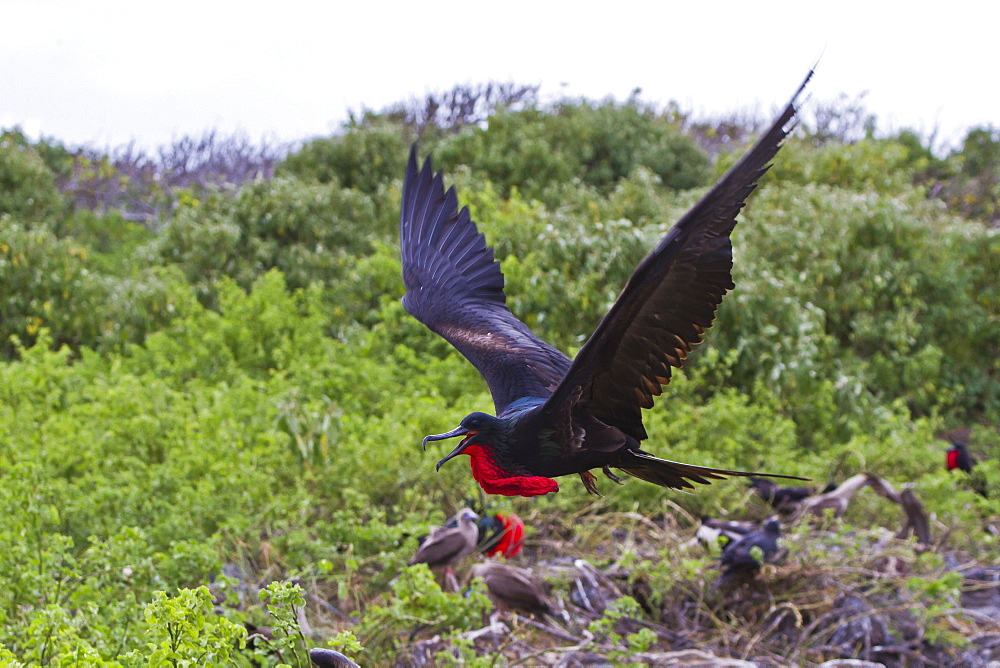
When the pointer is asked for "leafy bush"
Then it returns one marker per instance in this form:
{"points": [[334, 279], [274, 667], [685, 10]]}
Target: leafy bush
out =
{"points": [[599, 144], [55, 283], [232, 405], [311, 232], [27, 186], [364, 158], [969, 182]]}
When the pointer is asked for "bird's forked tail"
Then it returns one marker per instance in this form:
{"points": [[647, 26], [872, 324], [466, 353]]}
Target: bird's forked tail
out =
{"points": [[677, 475]]}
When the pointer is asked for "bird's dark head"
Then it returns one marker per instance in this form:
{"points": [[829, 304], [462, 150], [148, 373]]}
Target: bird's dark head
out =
{"points": [[485, 438], [477, 428]]}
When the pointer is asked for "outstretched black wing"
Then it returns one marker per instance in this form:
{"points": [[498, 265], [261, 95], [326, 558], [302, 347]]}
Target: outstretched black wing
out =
{"points": [[454, 286], [668, 303]]}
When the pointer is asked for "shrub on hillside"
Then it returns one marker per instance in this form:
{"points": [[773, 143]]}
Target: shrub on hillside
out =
{"points": [[363, 157], [27, 186]]}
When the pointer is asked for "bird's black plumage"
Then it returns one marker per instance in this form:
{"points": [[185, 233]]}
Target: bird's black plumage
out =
{"points": [[781, 498], [556, 416], [454, 286], [739, 558], [724, 532], [958, 457], [328, 658]]}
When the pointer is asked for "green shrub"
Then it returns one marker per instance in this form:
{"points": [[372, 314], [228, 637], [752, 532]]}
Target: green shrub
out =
{"points": [[362, 158], [27, 187]]}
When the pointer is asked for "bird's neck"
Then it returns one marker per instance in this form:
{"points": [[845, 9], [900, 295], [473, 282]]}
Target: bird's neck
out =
{"points": [[494, 480], [850, 486]]}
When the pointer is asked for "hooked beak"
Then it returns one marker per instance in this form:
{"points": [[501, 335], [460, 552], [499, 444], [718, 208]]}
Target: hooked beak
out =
{"points": [[459, 431]]}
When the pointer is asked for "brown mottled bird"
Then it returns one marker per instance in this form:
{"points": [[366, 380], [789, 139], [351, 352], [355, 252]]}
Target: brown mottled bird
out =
{"points": [[447, 544], [556, 416], [512, 588]]}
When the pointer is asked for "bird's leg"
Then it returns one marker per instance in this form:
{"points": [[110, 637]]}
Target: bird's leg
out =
{"points": [[607, 472], [590, 482], [449, 576]]}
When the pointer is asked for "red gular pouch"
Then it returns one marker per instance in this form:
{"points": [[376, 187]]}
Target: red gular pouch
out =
{"points": [[511, 537], [951, 460], [495, 480]]}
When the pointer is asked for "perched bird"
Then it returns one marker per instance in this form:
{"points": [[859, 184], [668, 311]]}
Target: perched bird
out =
{"points": [[512, 588], [738, 559], [555, 416], [958, 457], [500, 533], [445, 545], [714, 531]]}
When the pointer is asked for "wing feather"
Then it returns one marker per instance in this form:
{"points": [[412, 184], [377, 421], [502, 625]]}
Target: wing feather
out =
{"points": [[669, 301], [455, 287]]}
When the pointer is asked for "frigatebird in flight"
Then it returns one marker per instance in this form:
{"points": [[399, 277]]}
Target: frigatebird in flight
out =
{"points": [[556, 416]]}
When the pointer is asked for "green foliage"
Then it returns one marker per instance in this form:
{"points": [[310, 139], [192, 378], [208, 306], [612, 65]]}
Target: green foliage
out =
{"points": [[888, 166], [969, 182], [600, 144], [115, 245], [417, 600], [44, 278], [346, 643], [185, 631], [242, 391], [27, 186], [311, 232], [55, 283], [363, 158], [604, 629], [284, 600]]}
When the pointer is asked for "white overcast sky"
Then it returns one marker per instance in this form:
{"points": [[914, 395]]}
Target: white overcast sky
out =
{"points": [[107, 72]]}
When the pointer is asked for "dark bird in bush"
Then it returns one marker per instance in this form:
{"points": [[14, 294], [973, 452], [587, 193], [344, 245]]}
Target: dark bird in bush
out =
{"points": [[957, 457], [721, 531], [512, 588], [557, 416], [749, 553]]}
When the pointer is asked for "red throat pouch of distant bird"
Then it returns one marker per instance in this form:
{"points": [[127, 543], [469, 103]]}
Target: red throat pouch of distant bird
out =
{"points": [[952, 460], [512, 539]]}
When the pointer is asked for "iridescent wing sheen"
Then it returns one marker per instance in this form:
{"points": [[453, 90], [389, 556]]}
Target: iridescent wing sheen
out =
{"points": [[454, 286]]}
